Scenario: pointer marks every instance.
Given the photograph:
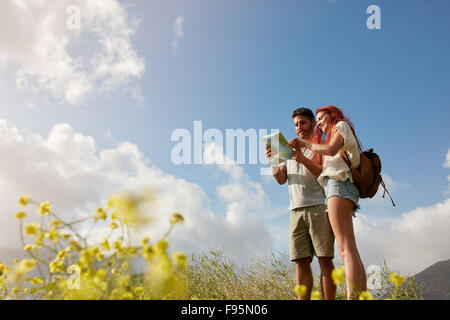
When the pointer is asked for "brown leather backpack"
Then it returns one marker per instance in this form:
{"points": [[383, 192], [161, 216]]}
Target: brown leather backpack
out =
{"points": [[367, 176]]}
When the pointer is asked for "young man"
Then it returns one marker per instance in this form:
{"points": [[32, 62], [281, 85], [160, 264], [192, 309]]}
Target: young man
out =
{"points": [[310, 232]]}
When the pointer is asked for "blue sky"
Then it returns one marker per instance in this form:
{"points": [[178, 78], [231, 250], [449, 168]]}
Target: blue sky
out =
{"points": [[249, 64], [242, 65]]}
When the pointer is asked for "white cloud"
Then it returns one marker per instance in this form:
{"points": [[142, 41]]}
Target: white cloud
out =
{"points": [[178, 33], [446, 164], [67, 169], [409, 243], [447, 160], [392, 186], [69, 64]]}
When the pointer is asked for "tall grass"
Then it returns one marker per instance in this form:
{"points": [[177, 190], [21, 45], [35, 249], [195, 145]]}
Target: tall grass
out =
{"points": [[104, 269], [215, 275]]}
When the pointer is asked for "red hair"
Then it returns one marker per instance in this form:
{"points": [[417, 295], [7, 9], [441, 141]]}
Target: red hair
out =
{"points": [[336, 115]]}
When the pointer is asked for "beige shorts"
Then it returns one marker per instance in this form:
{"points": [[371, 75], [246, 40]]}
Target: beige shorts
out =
{"points": [[310, 233]]}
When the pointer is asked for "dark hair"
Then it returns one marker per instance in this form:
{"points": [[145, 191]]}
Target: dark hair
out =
{"points": [[303, 112]]}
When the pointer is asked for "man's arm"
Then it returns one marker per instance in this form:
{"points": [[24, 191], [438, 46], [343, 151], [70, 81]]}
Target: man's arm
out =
{"points": [[312, 166], [279, 172]]}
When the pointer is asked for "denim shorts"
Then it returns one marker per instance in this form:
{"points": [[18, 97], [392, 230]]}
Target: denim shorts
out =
{"points": [[343, 189]]}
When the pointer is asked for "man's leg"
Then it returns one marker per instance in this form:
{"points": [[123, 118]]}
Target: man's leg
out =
{"points": [[323, 241], [301, 250], [304, 276], [326, 282]]}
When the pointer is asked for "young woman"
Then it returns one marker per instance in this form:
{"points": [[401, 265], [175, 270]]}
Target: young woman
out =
{"points": [[341, 193]]}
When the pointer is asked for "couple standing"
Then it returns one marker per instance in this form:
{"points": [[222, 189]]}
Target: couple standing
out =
{"points": [[320, 180]]}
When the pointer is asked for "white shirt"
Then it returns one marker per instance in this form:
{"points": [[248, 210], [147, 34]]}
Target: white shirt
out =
{"points": [[304, 190], [335, 167]]}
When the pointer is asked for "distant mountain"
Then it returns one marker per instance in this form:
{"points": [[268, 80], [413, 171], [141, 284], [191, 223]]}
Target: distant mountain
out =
{"points": [[436, 281]]}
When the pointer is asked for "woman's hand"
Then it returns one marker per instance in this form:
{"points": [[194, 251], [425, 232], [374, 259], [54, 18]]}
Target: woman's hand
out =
{"points": [[296, 144]]}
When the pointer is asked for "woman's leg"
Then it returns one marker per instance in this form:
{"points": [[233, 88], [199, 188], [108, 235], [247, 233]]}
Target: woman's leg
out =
{"points": [[340, 215]]}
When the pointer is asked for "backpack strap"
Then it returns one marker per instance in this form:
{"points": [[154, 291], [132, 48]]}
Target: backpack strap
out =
{"points": [[385, 190], [347, 161]]}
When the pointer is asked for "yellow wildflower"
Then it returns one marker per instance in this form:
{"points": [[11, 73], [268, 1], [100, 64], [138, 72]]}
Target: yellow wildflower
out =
{"points": [[123, 281], [338, 275], [139, 291], [366, 295], [100, 256], [179, 259], [56, 266], [316, 295], [113, 225], [55, 223], [65, 235], [29, 247], [161, 247], [300, 290], [397, 279], [40, 239], [114, 215], [105, 245], [20, 215], [100, 275], [52, 235], [87, 256], [24, 200], [15, 260], [26, 290], [3, 269], [127, 296], [145, 241], [118, 245], [125, 266], [176, 218], [100, 214], [132, 251], [61, 255], [148, 252], [127, 206], [44, 208], [75, 245], [27, 265], [32, 229], [36, 280]]}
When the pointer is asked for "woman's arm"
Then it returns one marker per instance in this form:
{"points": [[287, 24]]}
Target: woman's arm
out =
{"points": [[336, 143]]}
